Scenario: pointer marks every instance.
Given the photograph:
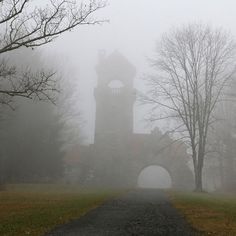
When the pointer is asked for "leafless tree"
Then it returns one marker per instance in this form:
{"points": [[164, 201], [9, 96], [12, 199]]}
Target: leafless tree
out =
{"points": [[194, 65], [23, 23]]}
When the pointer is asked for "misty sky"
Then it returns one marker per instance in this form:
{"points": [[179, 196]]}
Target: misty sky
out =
{"points": [[134, 28]]}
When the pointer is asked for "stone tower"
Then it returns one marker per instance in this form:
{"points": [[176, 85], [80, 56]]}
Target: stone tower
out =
{"points": [[114, 100], [119, 155]]}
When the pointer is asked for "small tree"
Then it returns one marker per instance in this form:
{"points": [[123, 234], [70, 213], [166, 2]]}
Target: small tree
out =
{"points": [[24, 24], [194, 65]]}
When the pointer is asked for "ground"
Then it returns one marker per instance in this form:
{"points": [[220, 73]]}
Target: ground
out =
{"points": [[138, 212], [50, 210], [212, 214], [35, 209]]}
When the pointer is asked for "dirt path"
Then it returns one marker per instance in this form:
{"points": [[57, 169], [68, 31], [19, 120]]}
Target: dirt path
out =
{"points": [[140, 212]]}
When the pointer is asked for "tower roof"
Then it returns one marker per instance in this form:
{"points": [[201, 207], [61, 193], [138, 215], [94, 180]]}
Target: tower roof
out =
{"points": [[115, 67]]}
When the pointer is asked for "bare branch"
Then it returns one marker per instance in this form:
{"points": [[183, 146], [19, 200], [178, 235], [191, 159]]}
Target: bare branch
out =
{"points": [[25, 24], [39, 85], [194, 64], [33, 28]]}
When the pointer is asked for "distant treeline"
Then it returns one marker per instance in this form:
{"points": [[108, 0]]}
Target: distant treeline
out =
{"points": [[31, 149]]}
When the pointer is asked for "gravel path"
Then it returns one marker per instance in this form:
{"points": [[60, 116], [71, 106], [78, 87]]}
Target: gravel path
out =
{"points": [[140, 212]]}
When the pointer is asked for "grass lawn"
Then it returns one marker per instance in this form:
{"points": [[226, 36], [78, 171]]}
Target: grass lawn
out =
{"points": [[35, 209], [210, 214]]}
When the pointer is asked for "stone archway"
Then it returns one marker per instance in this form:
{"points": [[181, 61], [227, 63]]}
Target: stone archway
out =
{"points": [[154, 176], [173, 162]]}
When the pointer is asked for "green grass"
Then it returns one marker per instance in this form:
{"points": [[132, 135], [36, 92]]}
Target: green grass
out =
{"points": [[210, 214], [35, 209]]}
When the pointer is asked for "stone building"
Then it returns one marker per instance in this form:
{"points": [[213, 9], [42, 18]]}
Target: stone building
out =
{"points": [[118, 155]]}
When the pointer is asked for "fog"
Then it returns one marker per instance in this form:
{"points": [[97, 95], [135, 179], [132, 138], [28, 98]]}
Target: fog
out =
{"points": [[92, 136], [154, 177], [133, 30]]}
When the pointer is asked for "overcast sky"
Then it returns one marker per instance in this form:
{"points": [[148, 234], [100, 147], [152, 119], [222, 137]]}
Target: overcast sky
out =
{"points": [[134, 28]]}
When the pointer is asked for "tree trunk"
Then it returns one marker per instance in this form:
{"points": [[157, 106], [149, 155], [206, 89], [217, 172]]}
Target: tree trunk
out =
{"points": [[197, 172], [199, 167], [198, 180]]}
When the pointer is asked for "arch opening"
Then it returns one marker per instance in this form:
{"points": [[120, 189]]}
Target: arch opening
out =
{"points": [[154, 177]]}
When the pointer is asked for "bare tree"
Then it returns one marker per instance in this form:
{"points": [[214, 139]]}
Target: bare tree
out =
{"points": [[25, 24], [194, 65]]}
